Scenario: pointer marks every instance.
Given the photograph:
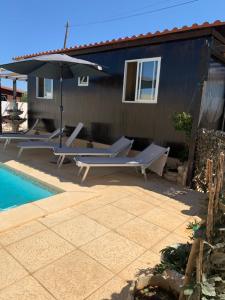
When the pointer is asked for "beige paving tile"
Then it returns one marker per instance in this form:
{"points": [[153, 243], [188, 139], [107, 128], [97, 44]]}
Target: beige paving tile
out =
{"points": [[149, 194], [20, 232], [164, 218], [101, 181], [80, 230], [25, 289], [94, 203], [110, 216], [176, 205], [140, 266], [133, 205], [116, 289], [73, 277], [40, 249], [151, 199], [114, 193], [113, 251], [10, 269], [19, 215], [142, 232], [59, 217], [171, 239], [183, 231], [64, 200]]}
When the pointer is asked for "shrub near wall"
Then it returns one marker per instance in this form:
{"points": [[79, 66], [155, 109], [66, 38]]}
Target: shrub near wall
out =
{"points": [[209, 145]]}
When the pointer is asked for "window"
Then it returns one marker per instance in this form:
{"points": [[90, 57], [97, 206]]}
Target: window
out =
{"points": [[44, 88], [3, 97], [141, 80], [83, 81]]}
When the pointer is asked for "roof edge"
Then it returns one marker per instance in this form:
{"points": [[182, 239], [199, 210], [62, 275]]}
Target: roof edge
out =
{"points": [[193, 27], [8, 88]]}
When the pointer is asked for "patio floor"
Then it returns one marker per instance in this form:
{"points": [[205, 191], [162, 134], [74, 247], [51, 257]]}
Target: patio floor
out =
{"points": [[90, 241]]}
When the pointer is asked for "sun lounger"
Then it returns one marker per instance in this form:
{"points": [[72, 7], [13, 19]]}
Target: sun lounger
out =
{"points": [[32, 127], [153, 157], [121, 145], [48, 144], [27, 137]]}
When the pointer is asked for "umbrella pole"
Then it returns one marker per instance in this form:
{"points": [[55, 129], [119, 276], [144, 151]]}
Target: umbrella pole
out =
{"points": [[61, 109]]}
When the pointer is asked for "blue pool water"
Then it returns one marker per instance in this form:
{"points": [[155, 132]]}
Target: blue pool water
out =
{"points": [[17, 189]]}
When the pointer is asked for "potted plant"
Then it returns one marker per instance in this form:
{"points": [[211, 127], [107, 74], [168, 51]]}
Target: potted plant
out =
{"points": [[165, 280], [182, 122]]}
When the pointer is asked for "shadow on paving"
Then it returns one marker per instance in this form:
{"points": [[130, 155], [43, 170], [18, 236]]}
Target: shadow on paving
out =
{"points": [[155, 186]]}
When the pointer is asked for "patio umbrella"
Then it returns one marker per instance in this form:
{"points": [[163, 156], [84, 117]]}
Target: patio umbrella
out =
{"points": [[55, 66]]}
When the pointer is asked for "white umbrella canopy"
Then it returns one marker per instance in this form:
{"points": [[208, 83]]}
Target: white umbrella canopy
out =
{"points": [[55, 66], [12, 76]]}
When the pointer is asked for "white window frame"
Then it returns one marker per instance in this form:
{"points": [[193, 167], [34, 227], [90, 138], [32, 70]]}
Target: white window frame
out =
{"points": [[137, 92], [37, 89], [83, 83]]}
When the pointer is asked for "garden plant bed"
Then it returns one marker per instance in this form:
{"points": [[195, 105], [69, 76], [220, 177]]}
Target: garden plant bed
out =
{"points": [[151, 293], [193, 271]]}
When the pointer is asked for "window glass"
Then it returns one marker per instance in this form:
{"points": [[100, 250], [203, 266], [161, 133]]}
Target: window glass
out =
{"points": [[83, 81], [141, 80], [147, 81], [48, 88], [131, 81], [41, 87], [44, 88]]}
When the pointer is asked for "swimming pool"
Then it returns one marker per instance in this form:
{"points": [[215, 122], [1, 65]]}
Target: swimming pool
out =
{"points": [[16, 188]]}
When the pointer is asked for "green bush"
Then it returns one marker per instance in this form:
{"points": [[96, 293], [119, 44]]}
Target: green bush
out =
{"points": [[182, 122], [174, 258]]}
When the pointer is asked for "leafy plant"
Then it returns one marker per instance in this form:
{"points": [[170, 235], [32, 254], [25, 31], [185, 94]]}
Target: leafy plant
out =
{"points": [[211, 288], [199, 230], [24, 97], [222, 198], [182, 122], [174, 258]]}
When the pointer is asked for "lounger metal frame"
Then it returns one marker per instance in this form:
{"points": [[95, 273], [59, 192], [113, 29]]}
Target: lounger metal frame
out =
{"points": [[157, 165], [121, 149], [48, 144]]}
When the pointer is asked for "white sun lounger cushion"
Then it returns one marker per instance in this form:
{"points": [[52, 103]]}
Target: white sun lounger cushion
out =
{"points": [[144, 158], [48, 144], [38, 144], [120, 145], [153, 155]]}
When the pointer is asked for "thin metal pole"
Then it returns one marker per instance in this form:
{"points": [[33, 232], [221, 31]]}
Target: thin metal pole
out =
{"points": [[66, 34], [61, 106], [14, 89]]}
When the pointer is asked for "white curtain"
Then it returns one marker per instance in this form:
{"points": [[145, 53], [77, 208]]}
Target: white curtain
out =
{"points": [[212, 104]]}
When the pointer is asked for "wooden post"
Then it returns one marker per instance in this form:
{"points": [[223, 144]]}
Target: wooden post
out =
{"points": [[199, 263], [195, 259], [190, 265], [219, 181], [209, 173], [211, 192]]}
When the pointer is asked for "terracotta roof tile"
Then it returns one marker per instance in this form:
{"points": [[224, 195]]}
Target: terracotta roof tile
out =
{"points": [[194, 26], [11, 89]]}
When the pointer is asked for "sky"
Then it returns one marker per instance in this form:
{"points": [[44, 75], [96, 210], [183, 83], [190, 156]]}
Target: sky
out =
{"points": [[31, 26]]}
